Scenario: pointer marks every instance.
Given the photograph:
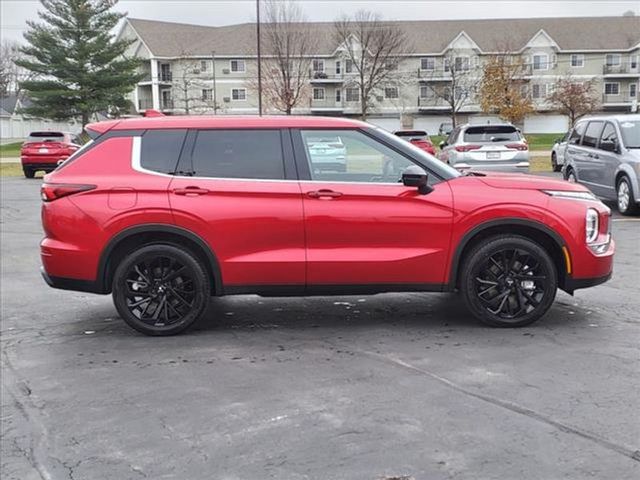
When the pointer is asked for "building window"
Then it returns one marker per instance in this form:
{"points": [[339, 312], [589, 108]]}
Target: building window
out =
{"points": [[338, 67], [204, 65], [428, 63], [446, 64], [461, 64], [207, 94], [611, 88], [352, 94], [539, 90], [461, 93], [318, 65], [239, 94], [318, 93], [613, 59], [541, 61], [633, 90], [633, 62], [391, 92], [348, 65], [577, 60], [338, 96], [237, 66], [425, 92]]}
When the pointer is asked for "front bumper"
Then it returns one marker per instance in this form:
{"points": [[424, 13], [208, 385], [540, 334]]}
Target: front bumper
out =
{"points": [[573, 284]]}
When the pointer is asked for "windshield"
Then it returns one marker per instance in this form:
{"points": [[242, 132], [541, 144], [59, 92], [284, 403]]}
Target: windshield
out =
{"points": [[45, 137], [491, 134], [439, 168], [630, 133]]}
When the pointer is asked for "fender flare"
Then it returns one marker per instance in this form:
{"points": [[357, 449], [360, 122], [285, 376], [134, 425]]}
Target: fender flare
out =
{"points": [[470, 234], [103, 263]]}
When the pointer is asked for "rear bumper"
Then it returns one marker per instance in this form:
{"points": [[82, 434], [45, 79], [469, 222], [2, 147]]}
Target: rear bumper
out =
{"points": [[41, 161], [519, 167], [71, 283]]}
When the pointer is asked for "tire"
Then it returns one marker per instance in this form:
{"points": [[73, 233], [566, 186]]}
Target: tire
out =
{"points": [[570, 176], [624, 197], [554, 163], [29, 173], [514, 299], [173, 303]]}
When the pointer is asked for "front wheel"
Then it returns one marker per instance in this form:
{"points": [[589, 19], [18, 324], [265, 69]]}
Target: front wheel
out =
{"points": [[626, 202], [508, 281], [161, 289], [554, 163]]}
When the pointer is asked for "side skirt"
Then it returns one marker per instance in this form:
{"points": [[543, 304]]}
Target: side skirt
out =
{"points": [[331, 290]]}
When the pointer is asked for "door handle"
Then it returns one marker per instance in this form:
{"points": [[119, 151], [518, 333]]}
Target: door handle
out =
{"points": [[190, 191], [595, 155], [324, 193]]}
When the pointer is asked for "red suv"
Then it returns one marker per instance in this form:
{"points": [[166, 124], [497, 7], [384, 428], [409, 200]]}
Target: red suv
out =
{"points": [[419, 138], [165, 212], [46, 150]]}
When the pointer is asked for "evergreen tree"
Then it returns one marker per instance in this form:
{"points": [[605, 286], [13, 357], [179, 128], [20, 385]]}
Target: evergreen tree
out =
{"points": [[81, 69]]}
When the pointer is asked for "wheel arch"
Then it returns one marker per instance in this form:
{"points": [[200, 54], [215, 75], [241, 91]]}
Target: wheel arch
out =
{"points": [[625, 170], [148, 234], [549, 239]]}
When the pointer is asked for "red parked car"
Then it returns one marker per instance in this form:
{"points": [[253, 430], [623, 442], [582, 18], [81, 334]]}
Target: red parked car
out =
{"points": [[419, 138], [46, 150], [165, 212]]}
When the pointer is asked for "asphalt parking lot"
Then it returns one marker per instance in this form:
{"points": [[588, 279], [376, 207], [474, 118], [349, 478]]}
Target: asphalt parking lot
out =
{"points": [[315, 388]]}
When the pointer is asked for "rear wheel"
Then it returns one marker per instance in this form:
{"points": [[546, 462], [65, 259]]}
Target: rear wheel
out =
{"points": [[161, 290], [508, 281], [626, 201], [29, 173]]}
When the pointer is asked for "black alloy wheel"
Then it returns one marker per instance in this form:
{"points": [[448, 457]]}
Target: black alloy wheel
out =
{"points": [[509, 281], [161, 289]]}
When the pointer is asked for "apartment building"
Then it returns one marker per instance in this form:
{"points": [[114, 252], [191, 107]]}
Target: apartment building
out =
{"points": [[197, 69]]}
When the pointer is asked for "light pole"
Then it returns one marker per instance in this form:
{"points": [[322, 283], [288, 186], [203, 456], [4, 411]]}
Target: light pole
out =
{"points": [[215, 97], [259, 58]]}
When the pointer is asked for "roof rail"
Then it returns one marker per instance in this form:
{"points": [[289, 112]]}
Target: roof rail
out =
{"points": [[153, 113]]}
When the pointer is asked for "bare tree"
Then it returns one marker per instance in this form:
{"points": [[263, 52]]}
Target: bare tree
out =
{"points": [[192, 88], [460, 82], [288, 47], [372, 48], [574, 98], [11, 74]]}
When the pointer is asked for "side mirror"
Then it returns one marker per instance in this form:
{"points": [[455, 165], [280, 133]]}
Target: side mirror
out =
{"points": [[442, 144], [609, 146], [415, 176]]}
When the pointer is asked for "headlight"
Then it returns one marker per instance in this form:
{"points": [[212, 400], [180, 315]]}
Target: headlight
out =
{"points": [[571, 195], [592, 225]]}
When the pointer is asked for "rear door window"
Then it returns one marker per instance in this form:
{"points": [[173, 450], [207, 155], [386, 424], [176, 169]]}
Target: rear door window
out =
{"points": [[161, 149], [592, 134], [254, 154], [609, 135], [489, 134]]}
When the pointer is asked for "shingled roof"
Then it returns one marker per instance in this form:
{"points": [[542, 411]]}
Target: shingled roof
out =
{"points": [[167, 39]]}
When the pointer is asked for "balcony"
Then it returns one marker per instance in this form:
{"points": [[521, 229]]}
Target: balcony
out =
{"points": [[620, 99], [326, 76], [436, 75], [437, 104], [326, 105], [165, 77], [623, 70]]}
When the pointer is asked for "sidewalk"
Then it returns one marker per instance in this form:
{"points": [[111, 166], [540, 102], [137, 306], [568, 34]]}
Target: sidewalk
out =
{"points": [[9, 159]]}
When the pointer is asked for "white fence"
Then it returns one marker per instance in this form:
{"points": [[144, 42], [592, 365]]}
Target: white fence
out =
{"points": [[19, 128]]}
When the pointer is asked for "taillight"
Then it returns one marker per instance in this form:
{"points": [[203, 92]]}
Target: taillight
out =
{"points": [[52, 191], [467, 148], [517, 146]]}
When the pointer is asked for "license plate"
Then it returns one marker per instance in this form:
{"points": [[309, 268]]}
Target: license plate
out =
{"points": [[43, 150], [493, 155]]}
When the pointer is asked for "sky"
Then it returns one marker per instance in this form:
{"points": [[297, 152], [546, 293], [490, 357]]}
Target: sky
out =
{"points": [[14, 13]]}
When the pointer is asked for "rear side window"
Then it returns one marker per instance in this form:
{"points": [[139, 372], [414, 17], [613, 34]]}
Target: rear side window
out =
{"points": [[592, 134], [161, 149], [491, 134], [238, 154], [576, 133]]}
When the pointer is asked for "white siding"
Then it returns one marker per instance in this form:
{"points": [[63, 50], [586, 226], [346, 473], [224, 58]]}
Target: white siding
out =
{"points": [[546, 124]]}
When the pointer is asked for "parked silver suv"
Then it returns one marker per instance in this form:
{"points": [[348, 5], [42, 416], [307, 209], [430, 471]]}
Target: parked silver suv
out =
{"points": [[498, 147], [603, 153]]}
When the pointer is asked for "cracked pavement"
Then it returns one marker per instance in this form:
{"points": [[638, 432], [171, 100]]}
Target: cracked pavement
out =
{"points": [[404, 385]]}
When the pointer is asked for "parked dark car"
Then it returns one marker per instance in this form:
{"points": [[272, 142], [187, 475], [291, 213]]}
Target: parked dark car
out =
{"points": [[419, 138], [603, 153], [44, 151]]}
